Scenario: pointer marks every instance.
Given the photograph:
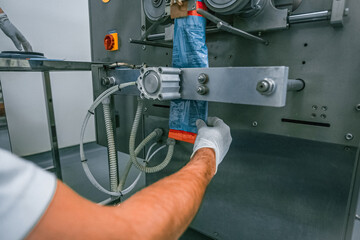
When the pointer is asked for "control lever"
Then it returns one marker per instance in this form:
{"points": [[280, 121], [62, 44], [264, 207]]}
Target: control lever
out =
{"points": [[222, 25]]}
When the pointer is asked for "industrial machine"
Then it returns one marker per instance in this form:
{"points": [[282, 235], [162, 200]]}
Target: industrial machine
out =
{"points": [[282, 75]]}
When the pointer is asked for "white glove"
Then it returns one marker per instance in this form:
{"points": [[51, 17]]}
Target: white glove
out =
{"points": [[14, 34], [216, 136]]}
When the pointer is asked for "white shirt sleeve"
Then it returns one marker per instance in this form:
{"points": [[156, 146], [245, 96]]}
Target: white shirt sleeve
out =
{"points": [[25, 193]]}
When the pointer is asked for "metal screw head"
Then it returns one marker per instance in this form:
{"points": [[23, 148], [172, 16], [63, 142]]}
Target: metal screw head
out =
{"points": [[265, 86], [143, 47], [324, 108], [314, 107], [108, 81], [262, 86], [254, 124], [203, 78], [202, 90], [349, 136]]}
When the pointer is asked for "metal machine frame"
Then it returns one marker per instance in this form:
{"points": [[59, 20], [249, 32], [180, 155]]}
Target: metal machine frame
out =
{"points": [[45, 66], [292, 171]]}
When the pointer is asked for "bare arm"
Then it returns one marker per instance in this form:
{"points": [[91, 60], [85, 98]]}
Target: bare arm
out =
{"points": [[160, 211], [1, 11]]}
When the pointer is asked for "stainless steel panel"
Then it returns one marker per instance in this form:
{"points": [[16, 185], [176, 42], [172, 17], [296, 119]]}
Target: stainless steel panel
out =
{"points": [[269, 187]]}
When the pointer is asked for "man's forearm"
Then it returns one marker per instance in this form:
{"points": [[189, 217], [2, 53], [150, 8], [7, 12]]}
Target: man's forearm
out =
{"points": [[172, 202], [160, 211]]}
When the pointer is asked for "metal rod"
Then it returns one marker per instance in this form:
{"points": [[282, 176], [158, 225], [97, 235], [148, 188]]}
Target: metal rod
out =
{"points": [[295, 85], [51, 124], [228, 28], [310, 17], [220, 24], [155, 44], [149, 30], [157, 36]]}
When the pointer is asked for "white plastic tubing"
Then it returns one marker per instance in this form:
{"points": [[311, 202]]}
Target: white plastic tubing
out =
{"points": [[90, 112], [132, 152], [117, 189], [113, 166]]}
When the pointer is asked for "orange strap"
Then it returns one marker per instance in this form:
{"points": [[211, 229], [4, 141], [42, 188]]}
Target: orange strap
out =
{"points": [[182, 136], [200, 5]]}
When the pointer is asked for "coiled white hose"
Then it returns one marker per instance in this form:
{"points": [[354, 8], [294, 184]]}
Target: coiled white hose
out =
{"points": [[151, 136], [133, 158], [112, 149], [113, 165], [90, 112], [127, 170]]}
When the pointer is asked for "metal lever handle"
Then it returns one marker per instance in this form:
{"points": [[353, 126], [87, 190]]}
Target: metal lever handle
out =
{"points": [[220, 24]]}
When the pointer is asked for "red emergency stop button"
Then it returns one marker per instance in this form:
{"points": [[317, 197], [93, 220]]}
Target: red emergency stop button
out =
{"points": [[111, 42]]}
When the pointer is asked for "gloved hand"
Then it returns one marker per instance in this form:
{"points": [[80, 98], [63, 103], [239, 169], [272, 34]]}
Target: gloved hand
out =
{"points": [[216, 136], [14, 34]]}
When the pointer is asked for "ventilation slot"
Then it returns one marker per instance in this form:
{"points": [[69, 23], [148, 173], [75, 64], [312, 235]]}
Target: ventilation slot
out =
{"points": [[317, 124]]}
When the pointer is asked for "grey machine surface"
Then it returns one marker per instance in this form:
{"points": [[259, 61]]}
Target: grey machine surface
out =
{"points": [[292, 170]]}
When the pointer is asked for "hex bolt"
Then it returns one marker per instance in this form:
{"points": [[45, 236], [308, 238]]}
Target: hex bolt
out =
{"points": [[108, 81], [324, 108], [203, 78], [202, 90], [349, 136], [357, 107], [314, 107], [265, 87]]}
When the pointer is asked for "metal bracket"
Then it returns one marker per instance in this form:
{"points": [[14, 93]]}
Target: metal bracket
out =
{"points": [[236, 85], [337, 13]]}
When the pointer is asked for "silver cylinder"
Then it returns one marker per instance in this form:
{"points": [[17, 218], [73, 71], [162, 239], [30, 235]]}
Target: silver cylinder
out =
{"points": [[310, 17], [162, 83], [295, 85]]}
